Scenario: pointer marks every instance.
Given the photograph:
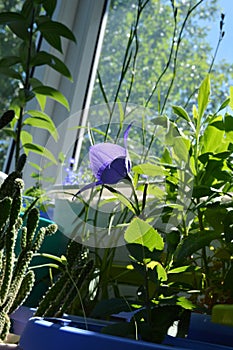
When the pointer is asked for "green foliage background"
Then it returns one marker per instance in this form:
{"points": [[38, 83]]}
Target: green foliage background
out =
{"points": [[154, 40]]}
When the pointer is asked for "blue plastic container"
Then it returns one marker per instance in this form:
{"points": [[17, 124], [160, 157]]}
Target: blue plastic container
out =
{"points": [[61, 334], [203, 329], [204, 334]]}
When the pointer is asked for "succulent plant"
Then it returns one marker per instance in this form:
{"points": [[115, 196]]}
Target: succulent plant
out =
{"points": [[16, 279]]}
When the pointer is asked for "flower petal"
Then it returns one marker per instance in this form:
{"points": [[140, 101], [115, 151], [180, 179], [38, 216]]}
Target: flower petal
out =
{"points": [[115, 172], [102, 154], [126, 134]]}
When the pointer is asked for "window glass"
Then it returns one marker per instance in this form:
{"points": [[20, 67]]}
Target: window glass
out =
{"points": [[155, 54]]}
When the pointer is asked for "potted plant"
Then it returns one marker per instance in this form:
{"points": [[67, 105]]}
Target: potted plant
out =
{"points": [[32, 25]]}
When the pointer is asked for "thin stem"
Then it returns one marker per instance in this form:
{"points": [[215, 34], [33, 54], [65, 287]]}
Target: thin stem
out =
{"points": [[177, 51], [221, 35], [126, 61], [26, 89], [169, 57]]}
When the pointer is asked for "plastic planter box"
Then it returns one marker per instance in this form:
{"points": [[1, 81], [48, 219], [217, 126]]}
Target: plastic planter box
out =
{"points": [[62, 334]]}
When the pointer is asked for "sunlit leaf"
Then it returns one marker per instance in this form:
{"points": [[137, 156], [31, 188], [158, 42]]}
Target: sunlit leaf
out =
{"points": [[203, 96], [181, 112], [52, 93], [42, 120], [150, 169], [141, 232]]}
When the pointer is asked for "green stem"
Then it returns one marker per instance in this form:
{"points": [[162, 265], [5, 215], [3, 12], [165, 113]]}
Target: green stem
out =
{"points": [[26, 87]]}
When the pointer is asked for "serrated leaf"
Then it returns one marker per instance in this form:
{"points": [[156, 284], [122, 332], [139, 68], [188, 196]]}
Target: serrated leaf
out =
{"points": [[140, 232], [41, 120], [53, 94], [181, 112], [32, 147]]}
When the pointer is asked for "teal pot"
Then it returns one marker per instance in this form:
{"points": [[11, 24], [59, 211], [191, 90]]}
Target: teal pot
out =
{"points": [[55, 245]]}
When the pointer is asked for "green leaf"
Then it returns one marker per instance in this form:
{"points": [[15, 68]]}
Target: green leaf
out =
{"points": [[9, 17], [203, 97], [9, 132], [231, 97], [53, 40], [181, 112], [42, 120], [36, 166], [213, 140], [50, 6], [121, 112], [52, 93], [181, 269], [181, 148], [19, 29], [56, 28], [27, 10], [9, 61], [122, 199], [150, 169], [11, 73], [39, 150], [41, 99], [185, 303], [224, 104], [43, 57], [52, 31], [16, 22], [26, 137], [140, 253], [193, 243], [141, 232]]}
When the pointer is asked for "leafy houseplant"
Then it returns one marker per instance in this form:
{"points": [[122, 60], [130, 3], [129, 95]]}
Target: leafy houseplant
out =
{"points": [[175, 241], [33, 24]]}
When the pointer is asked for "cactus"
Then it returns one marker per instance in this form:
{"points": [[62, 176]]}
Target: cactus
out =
{"points": [[16, 279], [68, 286]]}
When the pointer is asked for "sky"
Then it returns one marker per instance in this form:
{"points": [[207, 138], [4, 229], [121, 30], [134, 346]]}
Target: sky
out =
{"points": [[226, 46]]}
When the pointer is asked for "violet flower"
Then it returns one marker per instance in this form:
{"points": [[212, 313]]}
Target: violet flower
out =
{"points": [[109, 162]]}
